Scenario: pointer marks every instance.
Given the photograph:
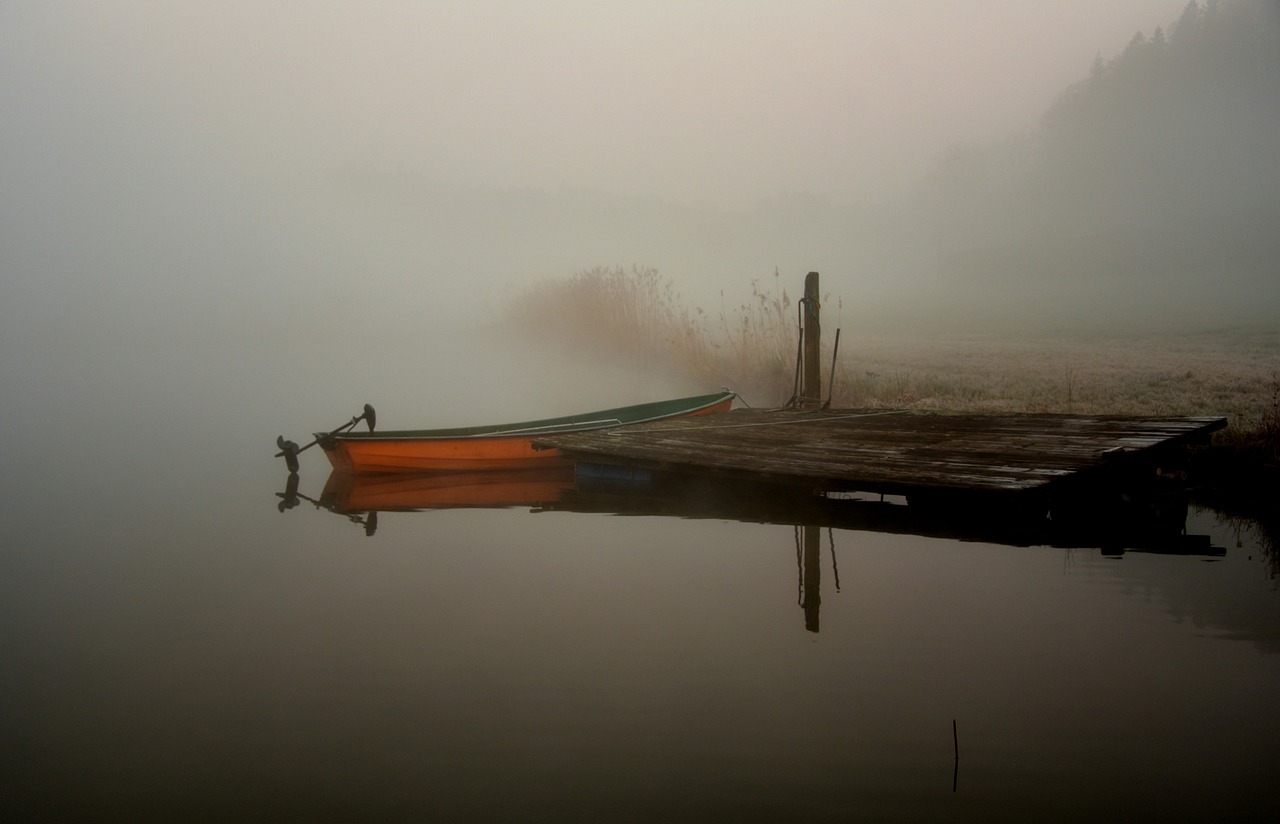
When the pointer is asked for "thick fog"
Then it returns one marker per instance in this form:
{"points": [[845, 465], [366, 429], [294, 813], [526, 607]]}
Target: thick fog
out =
{"points": [[291, 170]]}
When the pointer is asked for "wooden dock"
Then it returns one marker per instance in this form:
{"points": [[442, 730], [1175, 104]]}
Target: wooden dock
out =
{"points": [[901, 452]]}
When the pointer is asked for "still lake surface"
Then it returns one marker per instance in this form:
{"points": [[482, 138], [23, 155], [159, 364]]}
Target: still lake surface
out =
{"points": [[176, 647]]}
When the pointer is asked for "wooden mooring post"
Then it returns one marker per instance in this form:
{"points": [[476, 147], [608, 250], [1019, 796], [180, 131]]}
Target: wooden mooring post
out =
{"points": [[811, 332]]}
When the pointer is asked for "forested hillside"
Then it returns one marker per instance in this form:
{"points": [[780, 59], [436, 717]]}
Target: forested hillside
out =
{"points": [[1151, 187]]}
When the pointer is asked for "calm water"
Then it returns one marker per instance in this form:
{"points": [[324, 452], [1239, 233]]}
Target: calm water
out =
{"points": [[175, 647]]}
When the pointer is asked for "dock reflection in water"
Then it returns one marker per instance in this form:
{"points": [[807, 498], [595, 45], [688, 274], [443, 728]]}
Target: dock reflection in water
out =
{"points": [[588, 488]]}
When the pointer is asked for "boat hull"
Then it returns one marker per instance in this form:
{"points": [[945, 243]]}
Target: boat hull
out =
{"points": [[444, 455], [493, 448]]}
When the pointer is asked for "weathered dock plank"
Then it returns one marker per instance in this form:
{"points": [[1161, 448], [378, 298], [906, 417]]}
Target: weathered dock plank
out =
{"points": [[892, 452]]}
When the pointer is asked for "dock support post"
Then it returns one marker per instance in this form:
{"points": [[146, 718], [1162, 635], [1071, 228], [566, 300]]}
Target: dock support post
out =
{"points": [[811, 392]]}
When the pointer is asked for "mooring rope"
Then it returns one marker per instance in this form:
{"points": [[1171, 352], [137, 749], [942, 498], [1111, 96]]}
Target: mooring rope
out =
{"points": [[795, 385], [818, 419]]}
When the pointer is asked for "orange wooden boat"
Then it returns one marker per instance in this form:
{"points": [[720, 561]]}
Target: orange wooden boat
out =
{"points": [[501, 446]]}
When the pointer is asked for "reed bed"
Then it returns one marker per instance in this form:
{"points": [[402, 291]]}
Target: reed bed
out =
{"points": [[635, 316]]}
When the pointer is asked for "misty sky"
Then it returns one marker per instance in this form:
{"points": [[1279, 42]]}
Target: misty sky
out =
{"points": [[712, 101], [233, 166]]}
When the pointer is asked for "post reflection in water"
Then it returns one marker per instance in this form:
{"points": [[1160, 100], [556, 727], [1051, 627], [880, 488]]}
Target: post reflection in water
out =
{"points": [[810, 575]]}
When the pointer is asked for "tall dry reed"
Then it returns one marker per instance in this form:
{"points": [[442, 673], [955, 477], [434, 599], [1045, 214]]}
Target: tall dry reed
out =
{"points": [[634, 316]]}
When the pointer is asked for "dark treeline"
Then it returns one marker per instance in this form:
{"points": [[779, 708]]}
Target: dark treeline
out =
{"points": [[1151, 188]]}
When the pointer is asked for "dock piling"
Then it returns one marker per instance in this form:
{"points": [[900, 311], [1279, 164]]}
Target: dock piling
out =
{"points": [[811, 391]]}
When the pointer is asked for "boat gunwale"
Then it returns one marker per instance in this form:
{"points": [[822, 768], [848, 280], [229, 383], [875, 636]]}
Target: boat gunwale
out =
{"points": [[552, 426]]}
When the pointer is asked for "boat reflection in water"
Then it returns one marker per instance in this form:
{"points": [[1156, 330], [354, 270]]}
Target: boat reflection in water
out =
{"points": [[361, 497], [535, 487], [563, 486]]}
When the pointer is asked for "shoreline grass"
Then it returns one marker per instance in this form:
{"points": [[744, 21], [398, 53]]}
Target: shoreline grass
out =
{"points": [[635, 317]]}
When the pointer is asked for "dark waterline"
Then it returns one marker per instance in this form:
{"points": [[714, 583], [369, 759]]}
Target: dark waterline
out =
{"points": [[177, 647]]}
